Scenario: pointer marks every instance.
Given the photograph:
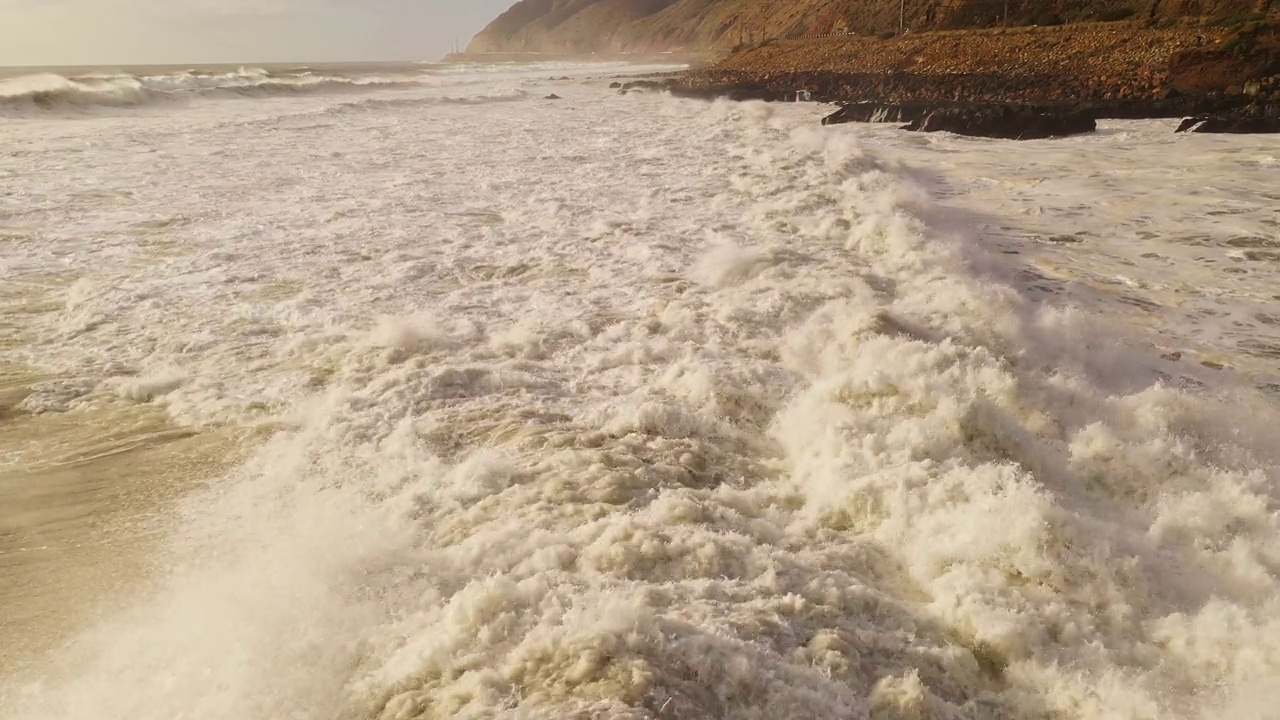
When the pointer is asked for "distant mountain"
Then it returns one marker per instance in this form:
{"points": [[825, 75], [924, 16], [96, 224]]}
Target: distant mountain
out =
{"points": [[613, 26]]}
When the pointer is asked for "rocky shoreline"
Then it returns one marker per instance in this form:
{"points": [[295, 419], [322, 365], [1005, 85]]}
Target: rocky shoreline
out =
{"points": [[692, 57], [1100, 71], [932, 90]]}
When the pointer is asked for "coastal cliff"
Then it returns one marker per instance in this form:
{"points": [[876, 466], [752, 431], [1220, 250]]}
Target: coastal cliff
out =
{"points": [[1101, 58], [1118, 70], [642, 26]]}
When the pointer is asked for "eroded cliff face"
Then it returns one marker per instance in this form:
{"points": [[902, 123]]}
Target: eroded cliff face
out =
{"points": [[612, 26]]}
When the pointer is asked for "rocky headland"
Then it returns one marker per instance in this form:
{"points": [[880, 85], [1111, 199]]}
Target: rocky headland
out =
{"points": [[1214, 59], [1110, 71], [1017, 82]]}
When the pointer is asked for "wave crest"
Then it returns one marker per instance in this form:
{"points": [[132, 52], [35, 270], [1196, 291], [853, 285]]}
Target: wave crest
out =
{"points": [[51, 91]]}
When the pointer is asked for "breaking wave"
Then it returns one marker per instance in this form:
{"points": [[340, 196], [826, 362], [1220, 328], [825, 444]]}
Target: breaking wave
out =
{"points": [[712, 417], [51, 91], [490, 97]]}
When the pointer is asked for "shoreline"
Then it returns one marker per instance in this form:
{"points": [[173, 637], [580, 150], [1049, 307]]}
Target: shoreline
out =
{"points": [[692, 58], [1106, 69]]}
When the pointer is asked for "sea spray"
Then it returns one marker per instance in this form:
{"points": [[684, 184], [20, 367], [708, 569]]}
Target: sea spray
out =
{"points": [[724, 417]]}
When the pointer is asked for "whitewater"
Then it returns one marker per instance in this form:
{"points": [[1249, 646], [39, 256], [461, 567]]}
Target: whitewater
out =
{"points": [[416, 394]]}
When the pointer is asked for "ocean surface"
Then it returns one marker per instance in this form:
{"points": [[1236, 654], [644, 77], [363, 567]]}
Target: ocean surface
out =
{"points": [[394, 392]]}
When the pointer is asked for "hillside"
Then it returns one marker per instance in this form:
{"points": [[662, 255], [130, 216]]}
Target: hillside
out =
{"points": [[1118, 70], [615, 26]]}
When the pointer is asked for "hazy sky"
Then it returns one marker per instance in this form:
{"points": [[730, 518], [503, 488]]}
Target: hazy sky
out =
{"points": [[100, 32]]}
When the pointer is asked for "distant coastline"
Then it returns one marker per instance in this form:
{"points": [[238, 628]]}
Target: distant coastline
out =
{"points": [[695, 58]]}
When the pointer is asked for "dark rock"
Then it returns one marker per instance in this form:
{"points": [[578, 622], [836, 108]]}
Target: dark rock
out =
{"points": [[1153, 108], [553, 96], [910, 94], [1010, 122], [1190, 122], [1250, 119], [879, 113], [647, 85], [985, 119], [615, 85]]}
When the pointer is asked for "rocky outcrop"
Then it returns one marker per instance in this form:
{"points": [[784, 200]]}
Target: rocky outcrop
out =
{"points": [[1256, 118], [1007, 122], [1014, 122], [872, 112], [1105, 71]]}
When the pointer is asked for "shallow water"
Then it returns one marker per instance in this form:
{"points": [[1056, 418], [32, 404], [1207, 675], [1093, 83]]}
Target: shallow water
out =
{"points": [[1182, 229], [85, 496], [627, 406]]}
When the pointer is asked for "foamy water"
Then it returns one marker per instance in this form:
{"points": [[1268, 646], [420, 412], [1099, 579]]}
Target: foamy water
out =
{"points": [[635, 407]]}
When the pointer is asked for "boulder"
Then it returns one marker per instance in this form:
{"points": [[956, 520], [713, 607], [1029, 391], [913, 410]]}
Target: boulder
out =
{"points": [[615, 85], [553, 96], [1010, 122]]}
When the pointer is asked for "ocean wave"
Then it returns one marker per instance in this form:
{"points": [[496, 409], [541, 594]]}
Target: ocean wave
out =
{"points": [[46, 92], [730, 419], [484, 97]]}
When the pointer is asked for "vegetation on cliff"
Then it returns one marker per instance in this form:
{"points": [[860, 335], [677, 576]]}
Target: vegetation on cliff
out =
{"points": [[609, 26]]}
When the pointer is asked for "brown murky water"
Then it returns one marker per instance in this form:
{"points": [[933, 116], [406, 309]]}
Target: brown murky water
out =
{"points": [[83, 495]]}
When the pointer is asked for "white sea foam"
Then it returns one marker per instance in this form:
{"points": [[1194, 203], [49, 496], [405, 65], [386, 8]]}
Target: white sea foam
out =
{"points": [[51, 92], [633, 407]]}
